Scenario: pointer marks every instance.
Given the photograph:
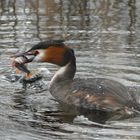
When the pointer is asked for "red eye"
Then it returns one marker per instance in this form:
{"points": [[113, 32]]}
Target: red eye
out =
{"points": [[36, 52]]}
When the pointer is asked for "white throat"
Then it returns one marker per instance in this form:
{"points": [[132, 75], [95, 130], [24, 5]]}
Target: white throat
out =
{"points": [[65, 73], [58, 75]]}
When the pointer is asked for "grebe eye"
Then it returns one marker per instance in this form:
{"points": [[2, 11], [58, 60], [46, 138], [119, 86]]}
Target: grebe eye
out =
{"points": [[36, 52]]}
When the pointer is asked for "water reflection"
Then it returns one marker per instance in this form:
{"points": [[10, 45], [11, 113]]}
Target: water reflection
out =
{"points": [[103, 33], [131, 27], [61, 21]]}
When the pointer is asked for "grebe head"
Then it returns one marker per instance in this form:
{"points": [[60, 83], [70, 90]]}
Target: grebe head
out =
{"points": [[53, 51]]}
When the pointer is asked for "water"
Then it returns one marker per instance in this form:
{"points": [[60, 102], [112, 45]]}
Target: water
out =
{"points": [[105, 37]]}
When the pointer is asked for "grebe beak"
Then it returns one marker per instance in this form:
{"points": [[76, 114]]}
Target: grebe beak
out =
{"points": [[29, 55]]}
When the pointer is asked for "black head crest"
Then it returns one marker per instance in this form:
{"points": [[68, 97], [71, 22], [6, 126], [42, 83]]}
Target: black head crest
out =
{"points": [[46, 44]]}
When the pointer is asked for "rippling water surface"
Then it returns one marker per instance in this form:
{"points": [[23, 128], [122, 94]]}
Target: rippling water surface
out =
{"points": [[105, 36]]}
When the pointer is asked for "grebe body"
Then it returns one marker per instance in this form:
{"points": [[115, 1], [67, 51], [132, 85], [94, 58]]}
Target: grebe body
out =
{"points": [[94, 94]]}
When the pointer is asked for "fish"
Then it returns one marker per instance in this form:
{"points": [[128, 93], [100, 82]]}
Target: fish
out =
{"points": [[19, 62]]}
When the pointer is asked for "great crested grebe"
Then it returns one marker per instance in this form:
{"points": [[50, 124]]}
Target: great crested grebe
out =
{"points": [[97, 94]]}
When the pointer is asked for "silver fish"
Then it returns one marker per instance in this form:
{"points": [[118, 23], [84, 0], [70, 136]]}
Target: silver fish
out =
{"points": [[19, 62]]}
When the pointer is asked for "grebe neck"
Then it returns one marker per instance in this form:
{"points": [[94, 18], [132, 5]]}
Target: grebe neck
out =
{"points": [[64, 74]]}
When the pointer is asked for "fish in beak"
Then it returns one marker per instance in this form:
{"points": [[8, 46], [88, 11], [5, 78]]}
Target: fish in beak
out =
{"points": [[20, 60], [27, 57]]}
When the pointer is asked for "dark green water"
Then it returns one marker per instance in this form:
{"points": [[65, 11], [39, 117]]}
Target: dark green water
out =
{"points": [[105, 35]]}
